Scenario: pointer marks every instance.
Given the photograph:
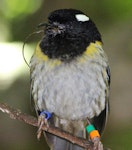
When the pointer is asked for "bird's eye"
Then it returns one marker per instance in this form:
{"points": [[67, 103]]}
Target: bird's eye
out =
{"points": [[81, 17]]}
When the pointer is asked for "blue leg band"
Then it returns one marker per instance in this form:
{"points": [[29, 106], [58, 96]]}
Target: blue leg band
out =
{"points": [[47, 114]]}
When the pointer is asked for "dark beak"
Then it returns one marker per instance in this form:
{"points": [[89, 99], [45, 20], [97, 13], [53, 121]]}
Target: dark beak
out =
{"points": [[53, 28]]}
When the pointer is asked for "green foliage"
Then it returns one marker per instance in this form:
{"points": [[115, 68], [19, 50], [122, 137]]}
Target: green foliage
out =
{"points": [[118, 139], [107, 10], [13, 9]]}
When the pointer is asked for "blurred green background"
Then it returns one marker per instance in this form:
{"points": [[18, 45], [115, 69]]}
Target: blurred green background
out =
{"points": [[20, 18]]}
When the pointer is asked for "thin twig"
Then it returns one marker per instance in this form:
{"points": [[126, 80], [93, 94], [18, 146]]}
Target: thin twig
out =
{"points": [[17, 114]]}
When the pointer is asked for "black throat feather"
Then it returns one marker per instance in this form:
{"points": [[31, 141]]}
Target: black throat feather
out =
{"points": [[70, 43]]}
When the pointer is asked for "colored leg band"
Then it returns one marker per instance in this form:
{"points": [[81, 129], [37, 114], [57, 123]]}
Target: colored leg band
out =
{"points": [[94, 134], [90, 128], [92, 131], [47, 114]]}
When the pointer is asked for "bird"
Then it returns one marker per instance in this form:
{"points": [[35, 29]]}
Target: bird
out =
{"points": [[70, 77]]}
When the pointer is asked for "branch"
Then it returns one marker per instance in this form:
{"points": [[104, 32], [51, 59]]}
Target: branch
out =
{"points": [[17, 114]]}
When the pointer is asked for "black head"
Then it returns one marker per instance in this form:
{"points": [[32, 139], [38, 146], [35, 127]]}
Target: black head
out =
{"points": [[68, 33]]}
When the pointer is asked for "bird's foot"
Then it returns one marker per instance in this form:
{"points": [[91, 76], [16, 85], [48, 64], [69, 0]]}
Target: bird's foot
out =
{"points": [[97, 144], [43, 120]]}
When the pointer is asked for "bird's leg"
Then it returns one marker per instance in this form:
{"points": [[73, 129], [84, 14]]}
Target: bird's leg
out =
{"points": [[97, 144], [43, 120], [94, 136]]}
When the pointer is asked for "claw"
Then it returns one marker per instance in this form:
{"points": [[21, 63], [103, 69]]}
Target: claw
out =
{"points": [[42, 120]]}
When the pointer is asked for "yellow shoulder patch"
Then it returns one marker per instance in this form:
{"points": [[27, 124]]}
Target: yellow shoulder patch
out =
{"points": [[41, 56], [91, 49]]}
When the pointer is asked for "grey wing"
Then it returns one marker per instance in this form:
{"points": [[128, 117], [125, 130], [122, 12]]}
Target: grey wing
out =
{"points": [[100, 121], [33, 100], [32, 104]]}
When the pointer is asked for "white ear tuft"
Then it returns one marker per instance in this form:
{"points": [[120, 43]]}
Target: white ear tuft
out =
{"points": [[81, 17]]}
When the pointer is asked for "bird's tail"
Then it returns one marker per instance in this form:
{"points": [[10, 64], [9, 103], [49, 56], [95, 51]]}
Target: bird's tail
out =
{"points": [[57, 143]]}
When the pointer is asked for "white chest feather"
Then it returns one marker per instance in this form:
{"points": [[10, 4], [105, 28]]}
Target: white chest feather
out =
{"points": [[70, 90]]}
